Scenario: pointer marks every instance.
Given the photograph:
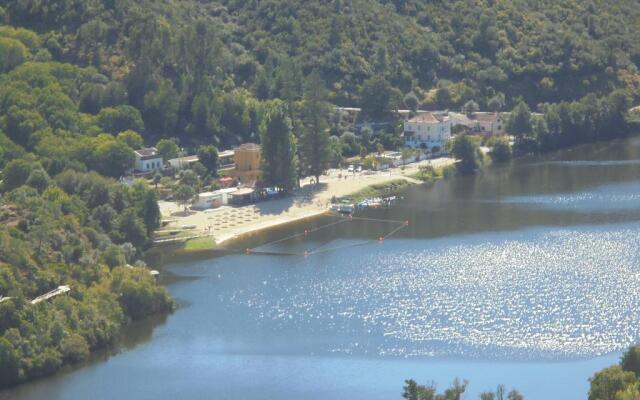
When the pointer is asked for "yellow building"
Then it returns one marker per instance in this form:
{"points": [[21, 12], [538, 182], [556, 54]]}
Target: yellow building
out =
{"points": [[247, 163]]}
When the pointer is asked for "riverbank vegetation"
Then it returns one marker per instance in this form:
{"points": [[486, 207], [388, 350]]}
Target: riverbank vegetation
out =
{"points": [[77, 230], [429, 173], [414, 391], [620, 381], [376, 190]]}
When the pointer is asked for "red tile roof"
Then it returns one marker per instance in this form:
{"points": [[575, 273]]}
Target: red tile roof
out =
{"points": [[427, 117]]}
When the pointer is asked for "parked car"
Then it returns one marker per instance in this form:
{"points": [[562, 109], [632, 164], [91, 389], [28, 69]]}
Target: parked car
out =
{"points": [[351, 168], [359, 169]]}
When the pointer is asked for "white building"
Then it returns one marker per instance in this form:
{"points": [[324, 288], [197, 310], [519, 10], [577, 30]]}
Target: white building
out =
{"points": [[215, 199], [183, 162], [148, 159], [487, 123], [427, 130]]}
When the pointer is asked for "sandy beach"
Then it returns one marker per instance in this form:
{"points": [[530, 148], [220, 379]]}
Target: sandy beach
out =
{"points": [[227, 222]]}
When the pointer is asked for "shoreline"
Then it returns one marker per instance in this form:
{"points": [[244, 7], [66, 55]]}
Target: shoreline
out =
{"points": [[226, 224]]}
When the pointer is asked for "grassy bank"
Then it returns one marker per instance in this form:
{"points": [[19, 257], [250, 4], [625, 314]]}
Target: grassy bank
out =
{"points": [[377, 190], [201, 243], [430, 173]]}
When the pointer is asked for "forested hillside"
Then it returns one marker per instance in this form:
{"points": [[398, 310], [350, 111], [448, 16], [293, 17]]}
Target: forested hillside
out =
{"points": [[85, 82], [198, 69]]}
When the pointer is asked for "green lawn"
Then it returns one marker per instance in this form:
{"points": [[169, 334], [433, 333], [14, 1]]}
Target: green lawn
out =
{"points": [[201, 243]]}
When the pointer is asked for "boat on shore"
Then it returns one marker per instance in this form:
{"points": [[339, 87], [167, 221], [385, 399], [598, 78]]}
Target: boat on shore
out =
{"points": [[376, 202], [343, 208]]}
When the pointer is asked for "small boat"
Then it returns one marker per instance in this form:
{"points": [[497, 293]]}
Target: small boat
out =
{"points": [[342, 208]]}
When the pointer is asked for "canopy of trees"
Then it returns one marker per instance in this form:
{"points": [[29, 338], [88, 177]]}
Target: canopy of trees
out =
{"points": [[618, 382]]}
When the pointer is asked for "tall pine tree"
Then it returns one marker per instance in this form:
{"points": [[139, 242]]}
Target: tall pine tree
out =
{"points": [[279, 157], [314, 140]]}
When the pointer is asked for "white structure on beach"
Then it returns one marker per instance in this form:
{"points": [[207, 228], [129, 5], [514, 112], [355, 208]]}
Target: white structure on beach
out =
{"points": [[148, 159], [427, 130], [218, 198], [183, 162]]}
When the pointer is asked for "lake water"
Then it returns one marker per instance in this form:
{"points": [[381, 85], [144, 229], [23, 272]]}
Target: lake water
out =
{"points": [[526, 274]]}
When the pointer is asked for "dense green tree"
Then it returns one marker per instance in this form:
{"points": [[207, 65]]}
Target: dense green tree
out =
{"points": [[145, 202], [184, 194], [413, 391], [119, 119], [496, 103], [468, 154], [208, 156], [9, 363], [131, 138], [630, 392], [631, 360], [138, 296], [378, 98], [131, 228], [279, 158], [114, 256], [168, 149], [607, 383], [190, 178], [314, 140], [411, 101], [112, 157], [16, 173], [471, 107], [38, 179], [12, 53], [519, 121], [500, 150], [514, 395], [410, 390], [74, 348], [201, 125], [161, 108], [350, 144]]}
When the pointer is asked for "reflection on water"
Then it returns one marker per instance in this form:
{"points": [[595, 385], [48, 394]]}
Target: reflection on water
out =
{"points": [[607, 198], [533, 294]]}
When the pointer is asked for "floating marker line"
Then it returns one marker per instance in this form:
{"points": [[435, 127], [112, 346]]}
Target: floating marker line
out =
{"points": [[319, 249], [341, 247], [306, 232], [394, 221], [394, 231]]}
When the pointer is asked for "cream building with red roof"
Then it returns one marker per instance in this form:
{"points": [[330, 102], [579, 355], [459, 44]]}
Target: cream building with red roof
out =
{"points": [[427, 130]]}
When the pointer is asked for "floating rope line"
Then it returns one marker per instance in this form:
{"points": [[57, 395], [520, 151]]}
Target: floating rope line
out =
{"points": [[392, 221], [319, 249], [346, 246], [305, 233]]}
